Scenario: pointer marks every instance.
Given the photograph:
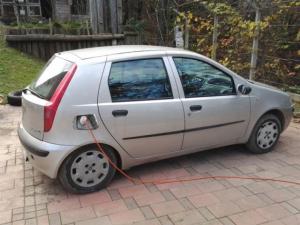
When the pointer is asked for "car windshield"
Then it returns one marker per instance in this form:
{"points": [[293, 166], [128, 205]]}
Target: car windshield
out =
{"points": [[50, 77]]}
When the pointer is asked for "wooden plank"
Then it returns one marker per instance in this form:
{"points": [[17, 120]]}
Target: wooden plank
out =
{"points": [[60, 37], [42, 49], [120, 16], [51, 49], [47, 54], [96, 16], [57, 46], [29, 51], [44, 46], [35, 49], [100, 14], [113, 16], [93, 16]]}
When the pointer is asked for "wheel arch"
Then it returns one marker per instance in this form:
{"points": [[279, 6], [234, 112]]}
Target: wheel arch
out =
{"points": [[106, 147], [279, 114], [274, 111]]}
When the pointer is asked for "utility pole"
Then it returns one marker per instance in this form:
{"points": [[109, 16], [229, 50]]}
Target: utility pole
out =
{"points": [[215, 38], [254, 52]]}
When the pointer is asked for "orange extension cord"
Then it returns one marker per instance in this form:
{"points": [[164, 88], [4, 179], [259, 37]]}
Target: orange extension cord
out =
{"points": [[165, 181]]}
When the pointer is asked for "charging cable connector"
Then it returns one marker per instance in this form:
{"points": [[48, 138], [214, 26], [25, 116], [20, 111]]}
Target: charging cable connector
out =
{"points": [[82, 122]]}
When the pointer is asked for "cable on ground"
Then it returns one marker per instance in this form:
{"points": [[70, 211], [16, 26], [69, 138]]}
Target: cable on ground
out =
{"points": [[177, 180]]}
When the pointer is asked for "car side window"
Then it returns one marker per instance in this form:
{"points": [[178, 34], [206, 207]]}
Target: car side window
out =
{"points": [[200, 79], [139, 80]]}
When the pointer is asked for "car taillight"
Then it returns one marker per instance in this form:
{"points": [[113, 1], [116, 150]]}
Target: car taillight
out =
{"points": [[51, 108]]}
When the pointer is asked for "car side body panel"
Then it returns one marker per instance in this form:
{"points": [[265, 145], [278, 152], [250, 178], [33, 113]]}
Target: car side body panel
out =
{"points": [[88, 93]]}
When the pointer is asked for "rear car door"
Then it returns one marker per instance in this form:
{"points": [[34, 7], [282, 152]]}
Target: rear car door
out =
{"points": [[215, 114], [140, 106]]}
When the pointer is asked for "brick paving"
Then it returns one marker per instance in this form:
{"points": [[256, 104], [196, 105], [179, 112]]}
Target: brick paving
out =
{"points": [[28, 197]]}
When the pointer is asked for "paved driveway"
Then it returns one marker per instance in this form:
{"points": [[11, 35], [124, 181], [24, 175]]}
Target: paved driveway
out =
{"points": [[28, 197]]}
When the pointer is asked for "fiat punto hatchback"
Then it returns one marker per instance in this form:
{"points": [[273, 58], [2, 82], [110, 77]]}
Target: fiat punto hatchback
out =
{"points": [[144, 103]]}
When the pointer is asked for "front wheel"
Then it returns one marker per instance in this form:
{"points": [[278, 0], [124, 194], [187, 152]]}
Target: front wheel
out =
{"points": [[87, 170], [265, 134]]}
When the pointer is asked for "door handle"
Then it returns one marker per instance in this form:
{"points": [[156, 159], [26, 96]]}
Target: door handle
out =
{"points": [[122, 112], [195, 108]]}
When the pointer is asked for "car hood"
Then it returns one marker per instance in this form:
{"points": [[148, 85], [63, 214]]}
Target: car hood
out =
{"points": [[265, 85]]}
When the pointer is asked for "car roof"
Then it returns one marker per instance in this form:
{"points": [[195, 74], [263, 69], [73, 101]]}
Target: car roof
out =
{"points": [[88, 53]]}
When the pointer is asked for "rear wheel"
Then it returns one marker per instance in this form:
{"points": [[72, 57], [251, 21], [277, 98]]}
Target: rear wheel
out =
{"points": [[87, 170], [265, 134]]}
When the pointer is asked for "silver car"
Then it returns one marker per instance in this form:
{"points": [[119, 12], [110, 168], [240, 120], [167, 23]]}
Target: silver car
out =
{"points": [[144, 103]]}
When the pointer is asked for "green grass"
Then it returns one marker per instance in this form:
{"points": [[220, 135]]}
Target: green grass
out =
{"points": [[17, 70]]}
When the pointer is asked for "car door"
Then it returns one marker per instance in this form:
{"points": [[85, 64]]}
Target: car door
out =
{"points": [[140, 106], [215, 114]]}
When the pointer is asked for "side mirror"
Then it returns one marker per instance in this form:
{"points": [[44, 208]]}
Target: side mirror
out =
{"points": [[244, 90]]}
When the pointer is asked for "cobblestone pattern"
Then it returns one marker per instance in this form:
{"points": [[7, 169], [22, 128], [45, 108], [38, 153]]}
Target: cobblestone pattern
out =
{"points": [[28, 197]]}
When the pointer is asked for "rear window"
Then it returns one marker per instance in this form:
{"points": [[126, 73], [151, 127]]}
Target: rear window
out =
{"points": [[50, 77]]}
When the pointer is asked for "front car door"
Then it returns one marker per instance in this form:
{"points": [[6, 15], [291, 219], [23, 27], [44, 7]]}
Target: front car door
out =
{"points": [[215, 114], [140, 105]]}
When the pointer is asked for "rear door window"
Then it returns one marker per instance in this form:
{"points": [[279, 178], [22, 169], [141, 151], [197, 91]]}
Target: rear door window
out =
{"points": [[50, 77], [139, 80]]}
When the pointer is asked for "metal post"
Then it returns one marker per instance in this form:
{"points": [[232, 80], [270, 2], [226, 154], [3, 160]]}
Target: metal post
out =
{"points": [[255, 46], [215, 38]]}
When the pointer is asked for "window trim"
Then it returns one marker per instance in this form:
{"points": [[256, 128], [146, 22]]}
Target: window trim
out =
{"points": [[215, 67], [140, 100]]}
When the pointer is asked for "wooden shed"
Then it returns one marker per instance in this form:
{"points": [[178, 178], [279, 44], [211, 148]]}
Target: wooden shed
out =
{"points": [[24, 8], [105, 15]]}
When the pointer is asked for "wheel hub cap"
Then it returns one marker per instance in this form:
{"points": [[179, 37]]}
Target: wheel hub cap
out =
{"points": [[89, 168], [267, 134]]}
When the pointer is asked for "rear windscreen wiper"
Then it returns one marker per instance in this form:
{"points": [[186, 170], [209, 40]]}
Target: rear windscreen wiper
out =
{"points": [[34, 93]]}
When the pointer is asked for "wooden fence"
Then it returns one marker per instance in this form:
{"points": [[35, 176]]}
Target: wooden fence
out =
{"points": [[44, 45], [47, 30]]}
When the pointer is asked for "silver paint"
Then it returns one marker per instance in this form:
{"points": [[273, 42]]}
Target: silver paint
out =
{"points": [[88, 93]]}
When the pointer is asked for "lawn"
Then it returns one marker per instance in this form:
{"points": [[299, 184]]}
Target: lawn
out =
{"points": [[17, 70]]}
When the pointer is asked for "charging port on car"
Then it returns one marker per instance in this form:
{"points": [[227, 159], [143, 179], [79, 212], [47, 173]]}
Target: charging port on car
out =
{"points": [[81, 121]]}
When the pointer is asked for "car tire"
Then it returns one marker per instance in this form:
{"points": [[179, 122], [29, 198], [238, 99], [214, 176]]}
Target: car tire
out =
{"points": [[91, 173], [15, 98], [265, 134]]}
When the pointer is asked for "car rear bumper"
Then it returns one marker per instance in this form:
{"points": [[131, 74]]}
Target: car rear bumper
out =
{"points": [[44, 156]]}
